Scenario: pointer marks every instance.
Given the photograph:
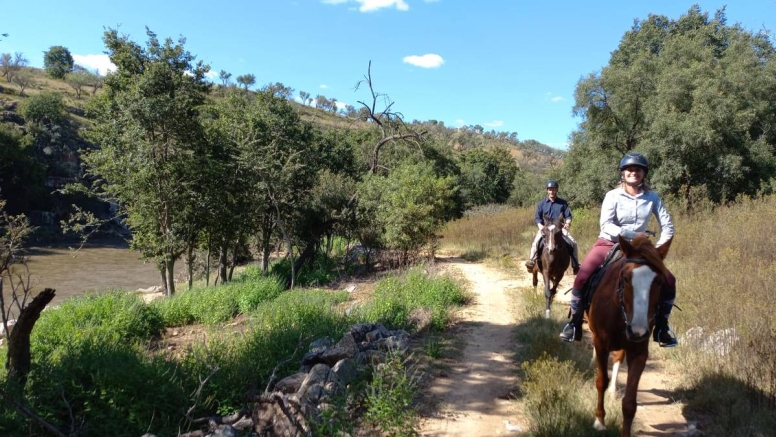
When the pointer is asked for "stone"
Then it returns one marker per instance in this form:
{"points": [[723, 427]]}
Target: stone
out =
{"points": [[291, 384]]}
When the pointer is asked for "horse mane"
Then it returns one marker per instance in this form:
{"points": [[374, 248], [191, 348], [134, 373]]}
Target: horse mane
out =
{"points": [[645, 249]]}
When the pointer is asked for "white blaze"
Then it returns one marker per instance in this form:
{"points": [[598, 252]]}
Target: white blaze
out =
{"points": [[642, 281]]}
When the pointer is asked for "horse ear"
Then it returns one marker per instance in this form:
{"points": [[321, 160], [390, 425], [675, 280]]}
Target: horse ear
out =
{"points": [[663, 249]]}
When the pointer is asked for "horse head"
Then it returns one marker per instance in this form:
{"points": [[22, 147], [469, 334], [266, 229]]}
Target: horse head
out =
{"points": [[553, 234], [641, 278]]}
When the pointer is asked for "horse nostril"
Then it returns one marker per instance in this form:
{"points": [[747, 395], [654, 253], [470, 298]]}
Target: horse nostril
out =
{"points": [[636, 336]]}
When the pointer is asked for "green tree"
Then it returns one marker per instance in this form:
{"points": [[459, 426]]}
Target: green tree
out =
{"points": [[151, 143], [225, 77], [407, 207], [487, 176], [696, 95], [246, 80], [58, 61], [78, 79], [21, 175]]}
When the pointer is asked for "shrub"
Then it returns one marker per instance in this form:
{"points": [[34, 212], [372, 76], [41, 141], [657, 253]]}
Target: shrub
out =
{"points": [[116, 317], [396, 297]]}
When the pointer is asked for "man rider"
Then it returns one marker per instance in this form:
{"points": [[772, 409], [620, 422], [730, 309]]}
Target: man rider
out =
{"points": [[553, 207]]}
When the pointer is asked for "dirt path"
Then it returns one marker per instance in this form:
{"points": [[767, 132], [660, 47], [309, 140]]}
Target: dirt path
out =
{"points": [[473, 398]]}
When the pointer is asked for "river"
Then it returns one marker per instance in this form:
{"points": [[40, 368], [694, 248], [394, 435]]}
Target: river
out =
{"points": [[92, 268]]}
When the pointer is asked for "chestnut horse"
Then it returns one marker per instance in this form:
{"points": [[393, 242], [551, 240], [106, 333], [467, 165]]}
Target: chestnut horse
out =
{"points": [[622, 316], [553, 261]]}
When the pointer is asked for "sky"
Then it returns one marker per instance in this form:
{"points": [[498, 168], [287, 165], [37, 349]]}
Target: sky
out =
{"points": [[506, 65]]}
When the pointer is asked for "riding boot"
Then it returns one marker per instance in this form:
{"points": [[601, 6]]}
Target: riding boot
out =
{"points": [[574, 263], [573, 329], [531, 259], [662, 334]]}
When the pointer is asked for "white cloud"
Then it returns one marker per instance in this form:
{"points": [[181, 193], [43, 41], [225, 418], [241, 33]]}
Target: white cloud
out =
{"points": [[460, 122], [495, 123], [101, 63], [372, 5], [324, 86], [429, 60], [557, 99]]}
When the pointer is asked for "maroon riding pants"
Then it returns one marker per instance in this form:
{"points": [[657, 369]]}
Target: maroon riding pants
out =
{"points": [[596, 256]]}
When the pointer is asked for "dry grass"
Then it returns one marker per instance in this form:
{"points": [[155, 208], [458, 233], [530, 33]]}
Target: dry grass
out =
{"points": [[723, 259]]}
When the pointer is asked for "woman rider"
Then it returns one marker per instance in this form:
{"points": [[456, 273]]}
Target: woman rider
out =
{"points": [[625, 212]]}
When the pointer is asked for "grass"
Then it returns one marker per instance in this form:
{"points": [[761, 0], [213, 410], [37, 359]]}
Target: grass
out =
{"points": [[96, 369], [723, 260]]}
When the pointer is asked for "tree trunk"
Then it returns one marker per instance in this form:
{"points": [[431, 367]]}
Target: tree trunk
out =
{"points": [[234, 258], [223, 260], [190, 263], [163, 272], [169, 266], [18, 360], [207, 263], [266, 236]]}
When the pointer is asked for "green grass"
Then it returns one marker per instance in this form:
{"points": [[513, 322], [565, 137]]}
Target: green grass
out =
{"points": [[96, 370], [396, 297]]}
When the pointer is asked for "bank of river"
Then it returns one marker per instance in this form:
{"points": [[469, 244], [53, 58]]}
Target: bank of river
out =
{"points": [[92, 268]]}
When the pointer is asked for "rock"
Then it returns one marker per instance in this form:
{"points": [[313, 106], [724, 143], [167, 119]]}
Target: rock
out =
{"points": [[225, 431], [318, 375], [346, 370], [420, 319], [291, 384], [11, 323]]}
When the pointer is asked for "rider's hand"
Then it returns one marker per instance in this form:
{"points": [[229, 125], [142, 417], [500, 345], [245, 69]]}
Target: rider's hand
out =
{"points": [[567, 225], [641, 234]]}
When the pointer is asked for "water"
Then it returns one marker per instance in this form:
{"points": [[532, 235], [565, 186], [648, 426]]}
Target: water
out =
{"points": [[92, 268]]}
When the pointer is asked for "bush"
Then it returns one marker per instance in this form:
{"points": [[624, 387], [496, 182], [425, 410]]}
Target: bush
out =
{"points": [[395, 298], [104, 386], [115, 317], [211, 305], [556, 404], [322, 271]]}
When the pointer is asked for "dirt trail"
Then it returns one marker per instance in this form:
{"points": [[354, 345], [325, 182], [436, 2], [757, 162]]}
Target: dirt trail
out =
{"points": [[473, 398]]}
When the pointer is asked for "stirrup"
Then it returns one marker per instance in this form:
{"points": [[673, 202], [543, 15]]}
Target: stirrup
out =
{"points": [[575, 333], [665, 337], [575, 270]]}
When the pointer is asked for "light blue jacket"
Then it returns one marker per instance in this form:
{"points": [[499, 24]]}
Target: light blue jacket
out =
{"points": [[623, 214]]}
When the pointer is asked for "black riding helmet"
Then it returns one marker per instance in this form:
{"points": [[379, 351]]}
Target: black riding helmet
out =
{"points": [[634, 159], [552, 184]]}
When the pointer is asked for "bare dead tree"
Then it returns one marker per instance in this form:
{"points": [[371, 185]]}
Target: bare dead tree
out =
{"points": [[14, 273], [391, 123]]}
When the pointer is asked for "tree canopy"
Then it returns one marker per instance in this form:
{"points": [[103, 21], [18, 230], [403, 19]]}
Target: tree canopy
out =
{"points": [[695, 95], [58, 61]]}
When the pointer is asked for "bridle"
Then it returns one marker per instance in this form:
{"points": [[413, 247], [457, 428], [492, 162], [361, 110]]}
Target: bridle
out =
{"points": [[639, 261]]}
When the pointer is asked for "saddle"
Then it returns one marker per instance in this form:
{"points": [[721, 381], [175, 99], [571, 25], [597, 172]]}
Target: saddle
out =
{"points": [[592, 283]]}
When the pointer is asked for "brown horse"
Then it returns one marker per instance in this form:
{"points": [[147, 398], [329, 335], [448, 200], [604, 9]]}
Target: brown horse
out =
{"points": [[553, 261], [621, 317]]}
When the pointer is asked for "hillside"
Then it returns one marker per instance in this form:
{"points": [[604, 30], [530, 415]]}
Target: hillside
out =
{"points": [[52, 156]]}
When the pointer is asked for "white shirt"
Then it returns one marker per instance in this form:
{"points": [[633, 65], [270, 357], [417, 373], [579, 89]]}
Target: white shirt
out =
{"points": [[623, 214]]}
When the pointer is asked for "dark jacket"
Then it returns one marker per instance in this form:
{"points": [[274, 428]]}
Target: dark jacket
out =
{"points": [[553, 210]]}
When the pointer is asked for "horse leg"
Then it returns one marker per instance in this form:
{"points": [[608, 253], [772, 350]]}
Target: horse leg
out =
{"points": [[601, 381], [637, 360], [617, 358], [535, 277], [547, 294]]}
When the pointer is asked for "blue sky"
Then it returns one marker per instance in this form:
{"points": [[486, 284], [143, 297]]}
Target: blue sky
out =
{"points": [[507, 65]]}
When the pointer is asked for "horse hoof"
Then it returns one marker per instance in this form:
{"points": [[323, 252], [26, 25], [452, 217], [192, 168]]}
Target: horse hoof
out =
{"points": [[598, 425], [546, 314]]}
